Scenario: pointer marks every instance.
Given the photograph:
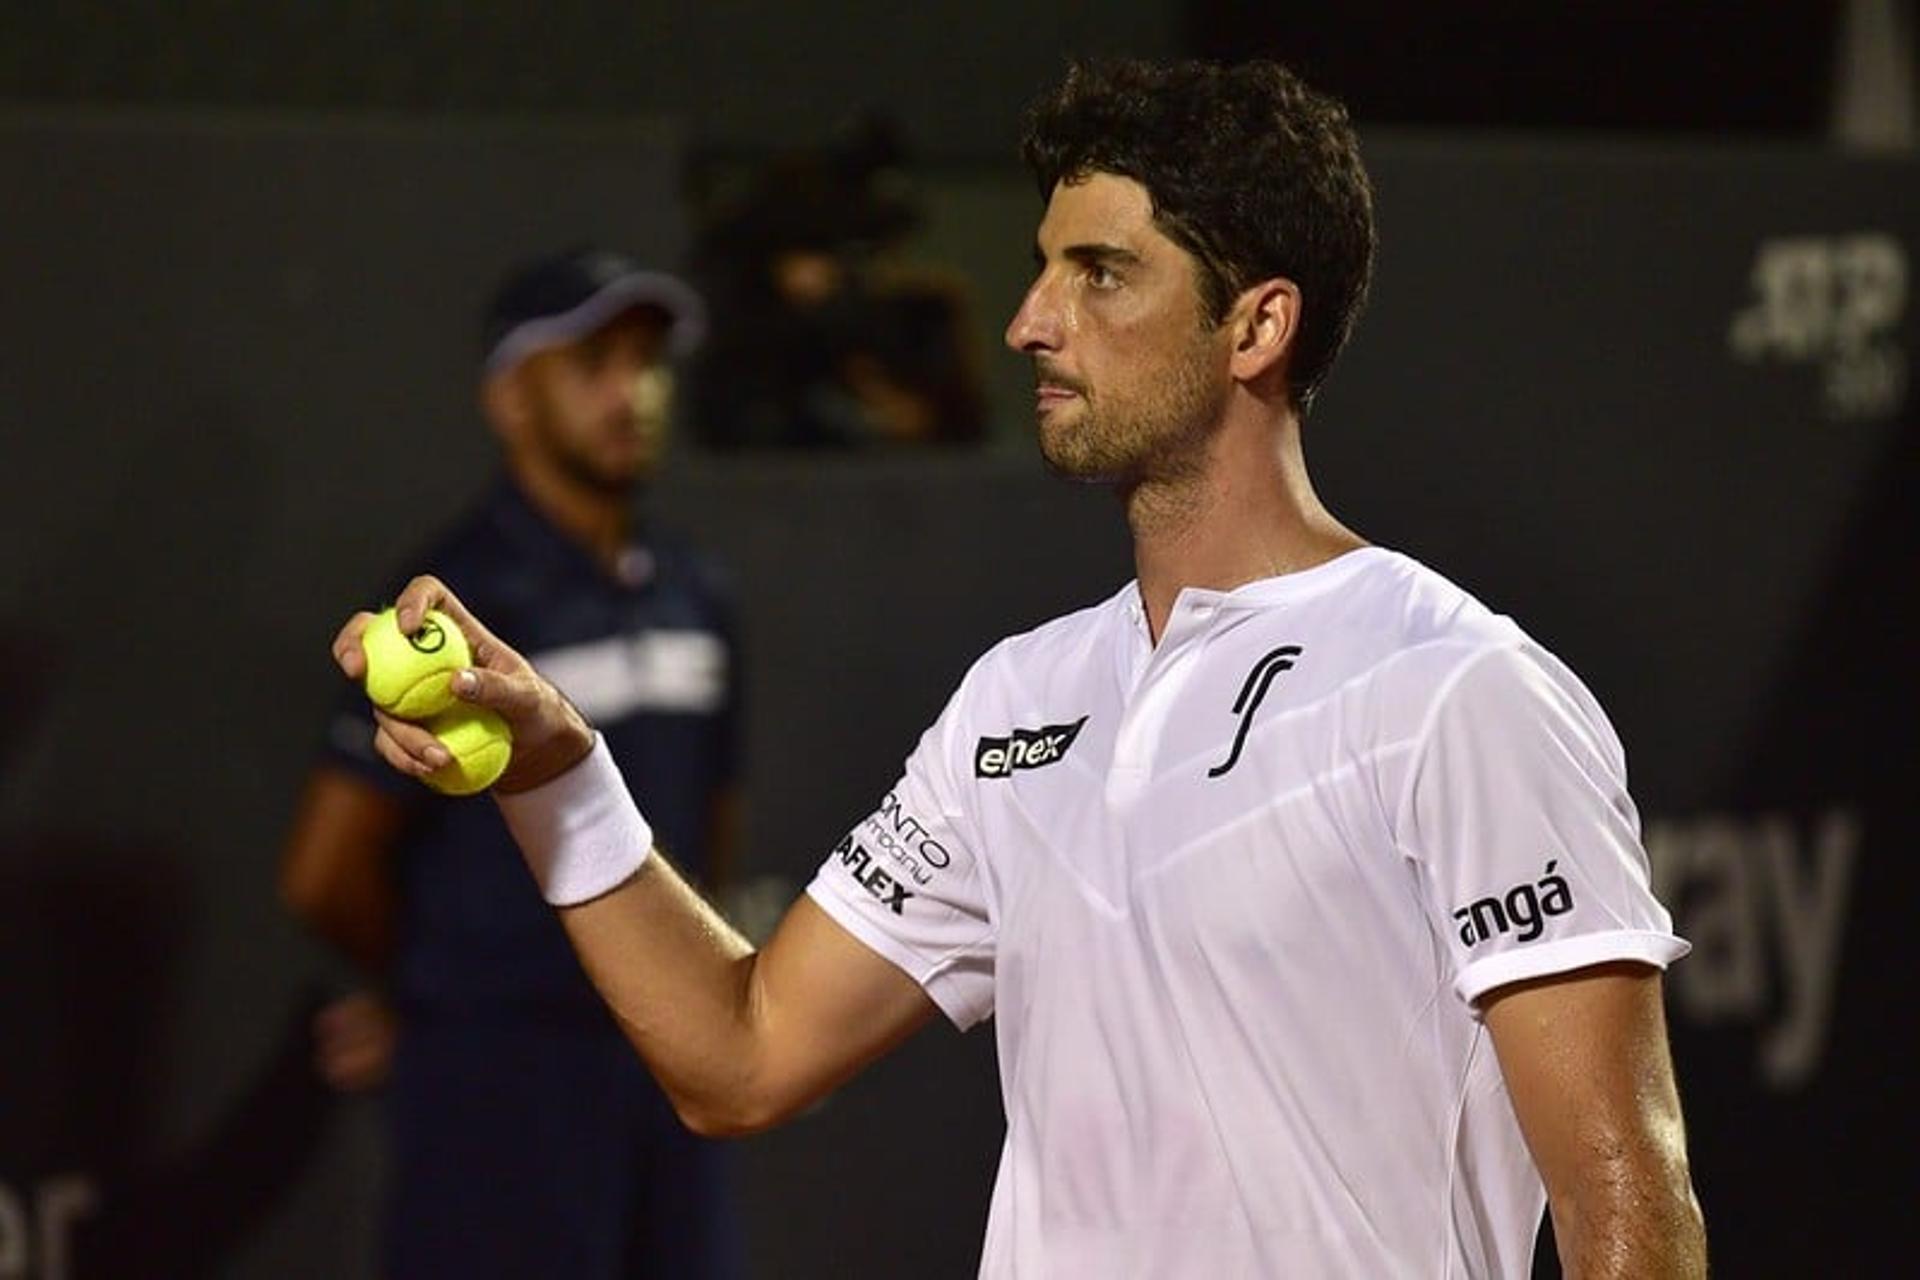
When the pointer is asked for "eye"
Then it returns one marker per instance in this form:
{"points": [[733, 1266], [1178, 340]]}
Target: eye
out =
{"points": [[1100, 276], [593, 351]]}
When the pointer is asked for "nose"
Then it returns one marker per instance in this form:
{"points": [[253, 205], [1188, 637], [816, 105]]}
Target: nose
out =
{"points": [[1035, 327]]}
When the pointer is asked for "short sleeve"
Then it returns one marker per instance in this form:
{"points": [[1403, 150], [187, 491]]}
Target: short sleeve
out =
{"points": [[1518, 818], [909, 883]]}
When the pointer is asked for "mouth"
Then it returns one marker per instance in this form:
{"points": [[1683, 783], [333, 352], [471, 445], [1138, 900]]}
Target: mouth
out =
{"points": [[1050, 395]]}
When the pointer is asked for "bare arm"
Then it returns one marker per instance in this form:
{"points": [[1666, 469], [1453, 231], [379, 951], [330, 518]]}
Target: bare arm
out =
{"points": [[739, 1039], [1586, 1063], [336, 875], [336, 870]]}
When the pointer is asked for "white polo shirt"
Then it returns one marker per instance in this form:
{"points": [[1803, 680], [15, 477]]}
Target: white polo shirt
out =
{"points": [[1231, 899]]}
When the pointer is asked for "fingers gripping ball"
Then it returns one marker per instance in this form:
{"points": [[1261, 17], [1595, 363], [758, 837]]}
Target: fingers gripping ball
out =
{"points": [[410, 676], [480, 744]]}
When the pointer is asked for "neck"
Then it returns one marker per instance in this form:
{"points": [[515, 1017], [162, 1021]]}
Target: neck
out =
{"points": [[1247, 511], [598, 519]]}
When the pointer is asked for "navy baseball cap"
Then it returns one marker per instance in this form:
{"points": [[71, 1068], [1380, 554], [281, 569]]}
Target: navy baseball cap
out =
{"points": [[569, 295]]}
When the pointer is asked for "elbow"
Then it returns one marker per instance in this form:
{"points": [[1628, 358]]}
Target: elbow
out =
{"points": [[715, 1122], [1635, 1226], [1693, 1233], [316, 894], [302, 893], [736, 1113]]}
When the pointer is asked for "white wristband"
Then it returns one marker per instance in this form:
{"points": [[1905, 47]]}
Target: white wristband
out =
{"points": [[581, 832]]}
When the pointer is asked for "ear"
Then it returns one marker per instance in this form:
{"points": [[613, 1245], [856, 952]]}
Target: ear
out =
{"points": [[503, 402], [1265, 320]]}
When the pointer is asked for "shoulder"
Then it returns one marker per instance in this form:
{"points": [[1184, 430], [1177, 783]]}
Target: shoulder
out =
{"points": [[460, 552], [1423, 643], [1418, 605], [689, 566], [1032, 681], [1029, 672], [1061, 645], [1418, 624], [1482, 675], [690, 588]]}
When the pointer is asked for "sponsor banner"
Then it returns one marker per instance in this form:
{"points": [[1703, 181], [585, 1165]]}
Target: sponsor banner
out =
{"points": [[905, 840], [859, 863]]}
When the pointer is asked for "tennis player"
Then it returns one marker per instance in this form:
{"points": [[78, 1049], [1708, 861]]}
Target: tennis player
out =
{"points": [[1305, 890]]}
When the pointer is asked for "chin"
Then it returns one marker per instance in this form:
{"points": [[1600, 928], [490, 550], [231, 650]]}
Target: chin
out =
{"points": [[1060, 444], [1071, 464], [610, 480], [625, 479], [625, 467], [1075, 451]]}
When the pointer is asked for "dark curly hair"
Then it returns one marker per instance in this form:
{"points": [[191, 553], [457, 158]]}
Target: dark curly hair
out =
{"points": [[1250, 170]]}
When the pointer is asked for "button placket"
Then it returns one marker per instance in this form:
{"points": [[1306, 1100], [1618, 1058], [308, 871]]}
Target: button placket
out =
{"points": [[1164, 675]]}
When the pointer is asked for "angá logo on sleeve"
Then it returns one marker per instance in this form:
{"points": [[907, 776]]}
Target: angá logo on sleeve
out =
{"points": [[1525, 907]]}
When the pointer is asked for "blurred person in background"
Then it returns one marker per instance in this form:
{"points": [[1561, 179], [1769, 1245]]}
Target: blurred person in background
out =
{"points": [[525, 1138], [824, 337]]}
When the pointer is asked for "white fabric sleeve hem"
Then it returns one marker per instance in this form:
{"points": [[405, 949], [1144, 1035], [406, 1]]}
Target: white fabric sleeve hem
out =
{"points": [[1482, 976], [581, 832], [961, 1011]]}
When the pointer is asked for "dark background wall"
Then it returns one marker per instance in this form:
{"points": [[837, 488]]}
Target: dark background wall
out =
{"points": [[754, 75], [1649, 393]]}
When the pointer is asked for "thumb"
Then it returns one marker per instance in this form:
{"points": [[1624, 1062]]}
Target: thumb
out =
{"points": [[511, 694], [549, 733]]}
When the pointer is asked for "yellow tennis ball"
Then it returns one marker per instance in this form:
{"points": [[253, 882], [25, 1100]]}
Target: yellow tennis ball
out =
{"points": [[480, 743], [411, 676]]}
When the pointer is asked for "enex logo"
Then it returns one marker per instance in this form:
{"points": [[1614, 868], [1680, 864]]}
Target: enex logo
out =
{"points": [[1024, 749]]}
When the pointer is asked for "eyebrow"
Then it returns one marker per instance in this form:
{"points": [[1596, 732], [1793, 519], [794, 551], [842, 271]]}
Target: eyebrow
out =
{"points": [[1090, 255]]}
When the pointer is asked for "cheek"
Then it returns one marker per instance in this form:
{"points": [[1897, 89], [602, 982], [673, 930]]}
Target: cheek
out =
{"points": [[1121, 352], [1137, 321], [650, 393], [589, 400]]}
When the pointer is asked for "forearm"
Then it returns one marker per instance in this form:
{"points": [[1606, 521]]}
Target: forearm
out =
{"points": [[738, 1038], [335, 870], [356, 919], [679, 980], [1636, 1219], [1585, 1060]]}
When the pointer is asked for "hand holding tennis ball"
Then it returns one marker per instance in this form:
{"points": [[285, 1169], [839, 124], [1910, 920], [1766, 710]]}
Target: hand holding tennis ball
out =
{"points": [[411, 676], [486, 717]]}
